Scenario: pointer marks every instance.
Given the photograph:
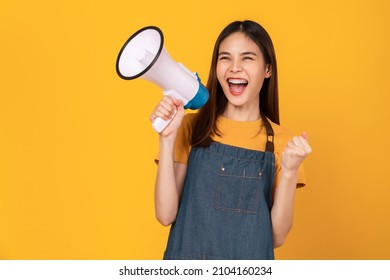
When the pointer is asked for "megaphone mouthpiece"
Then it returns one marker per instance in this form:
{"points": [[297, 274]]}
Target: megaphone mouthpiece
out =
{"points": [[144, 56], [130, 64]]}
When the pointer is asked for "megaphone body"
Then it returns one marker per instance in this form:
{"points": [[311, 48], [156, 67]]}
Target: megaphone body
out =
{"points": [[143, 55]]}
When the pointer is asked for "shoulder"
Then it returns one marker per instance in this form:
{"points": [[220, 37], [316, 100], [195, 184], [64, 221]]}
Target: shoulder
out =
{"points": [[281, 136], [185, 131], [188, 119], [183, 139], [187, 124], [281, 131]]}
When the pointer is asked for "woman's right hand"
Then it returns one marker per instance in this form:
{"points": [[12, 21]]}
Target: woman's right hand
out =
{"points": [[165, 110]]}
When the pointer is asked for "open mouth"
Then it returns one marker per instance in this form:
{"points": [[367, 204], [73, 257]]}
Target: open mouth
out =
{"points": [[237, 85]]}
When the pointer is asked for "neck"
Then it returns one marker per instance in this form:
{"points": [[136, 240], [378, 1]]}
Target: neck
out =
{"points": [[241, 114]]}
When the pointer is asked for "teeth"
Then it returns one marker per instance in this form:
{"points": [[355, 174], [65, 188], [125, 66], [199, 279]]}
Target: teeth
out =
{"points": [[237, 81]]}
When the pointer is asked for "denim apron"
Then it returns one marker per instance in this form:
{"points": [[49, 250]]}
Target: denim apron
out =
{"points": [[225, 207]]}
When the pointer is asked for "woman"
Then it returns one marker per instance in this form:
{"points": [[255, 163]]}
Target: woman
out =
{"points": [[227, 174]]}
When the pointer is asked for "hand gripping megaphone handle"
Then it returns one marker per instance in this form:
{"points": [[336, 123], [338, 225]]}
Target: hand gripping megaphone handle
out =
{"points": [[143, 56], [160, 124]]}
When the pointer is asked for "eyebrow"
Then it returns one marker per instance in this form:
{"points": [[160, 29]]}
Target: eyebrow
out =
{"points": [[223, 53], [244, 53], [248, 53]]}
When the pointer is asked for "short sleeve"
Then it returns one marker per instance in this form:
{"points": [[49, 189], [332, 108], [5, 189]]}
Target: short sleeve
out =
{"points": [[301, 180]]}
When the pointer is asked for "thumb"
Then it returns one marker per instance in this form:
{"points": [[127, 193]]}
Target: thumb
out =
{"points": [[179, 104], [305, 135]]}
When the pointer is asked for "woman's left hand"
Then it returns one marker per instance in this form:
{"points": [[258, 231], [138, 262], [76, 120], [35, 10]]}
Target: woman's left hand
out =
{"points": [[296, 150]]}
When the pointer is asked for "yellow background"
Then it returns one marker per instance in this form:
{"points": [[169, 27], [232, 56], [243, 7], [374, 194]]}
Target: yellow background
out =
{"points": [[77, 149]]}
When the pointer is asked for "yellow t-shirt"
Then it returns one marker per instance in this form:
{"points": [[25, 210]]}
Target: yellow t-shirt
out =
{"points": [[240, 134]]}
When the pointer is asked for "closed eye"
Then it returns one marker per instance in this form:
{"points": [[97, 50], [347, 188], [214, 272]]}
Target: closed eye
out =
{"points": [[248, 55], [223, 56]]}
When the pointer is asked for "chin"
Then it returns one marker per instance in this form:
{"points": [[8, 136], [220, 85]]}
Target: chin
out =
{"points": [[236, 101]]}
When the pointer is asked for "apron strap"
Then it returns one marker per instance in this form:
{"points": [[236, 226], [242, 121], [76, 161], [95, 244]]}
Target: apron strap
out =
{"points": [[269, 145]]}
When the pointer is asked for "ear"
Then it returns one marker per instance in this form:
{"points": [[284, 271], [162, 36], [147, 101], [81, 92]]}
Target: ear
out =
{"points": [[268, 71]]}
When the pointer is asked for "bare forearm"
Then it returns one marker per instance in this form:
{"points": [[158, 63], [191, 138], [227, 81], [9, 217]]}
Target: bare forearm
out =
{"points": [[283, 207], [166, 190], [282, 213], [170, 175]]}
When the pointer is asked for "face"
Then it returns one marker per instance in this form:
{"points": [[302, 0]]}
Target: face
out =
{"points": [[241, 71]]}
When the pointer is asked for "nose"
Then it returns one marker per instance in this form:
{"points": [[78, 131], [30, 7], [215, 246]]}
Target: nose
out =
{"points": [[236, 66]]}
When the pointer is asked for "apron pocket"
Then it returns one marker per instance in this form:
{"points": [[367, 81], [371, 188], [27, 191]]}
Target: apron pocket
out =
{"points": [[238, 193]]}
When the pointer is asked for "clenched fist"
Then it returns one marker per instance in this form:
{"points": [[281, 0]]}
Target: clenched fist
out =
{"points": [[166, 109], [296, 150]]}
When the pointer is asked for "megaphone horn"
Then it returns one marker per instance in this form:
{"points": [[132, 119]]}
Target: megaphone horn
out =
{"points": [[143, 55]]}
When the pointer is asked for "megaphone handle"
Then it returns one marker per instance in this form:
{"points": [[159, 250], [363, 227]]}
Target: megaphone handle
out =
{"points": [[160, 124]]}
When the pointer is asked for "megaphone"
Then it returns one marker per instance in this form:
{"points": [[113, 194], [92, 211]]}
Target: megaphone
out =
{"points": [[143, 56]]}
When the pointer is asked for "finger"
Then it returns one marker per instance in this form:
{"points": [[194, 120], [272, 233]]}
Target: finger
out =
{"points": [[291, 145], [302, 143], [179, 106], [305, 144], [292, 153], [167, 99], [296, 146], [168, 105], [177, 102], [160, 111], [152, 117], [297, 141], [164, 113]]}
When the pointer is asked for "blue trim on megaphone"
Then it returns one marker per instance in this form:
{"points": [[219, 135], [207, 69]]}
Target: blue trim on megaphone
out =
{"points": [[200, 98]]}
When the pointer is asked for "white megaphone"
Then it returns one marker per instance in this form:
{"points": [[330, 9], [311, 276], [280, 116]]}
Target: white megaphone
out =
{"points": [[143, 55]]}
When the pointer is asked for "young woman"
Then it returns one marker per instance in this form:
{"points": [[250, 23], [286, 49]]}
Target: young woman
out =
{"points": [[227, 174]]}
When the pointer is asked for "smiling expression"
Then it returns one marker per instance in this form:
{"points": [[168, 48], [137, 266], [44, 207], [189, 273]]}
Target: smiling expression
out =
{"points": [[241, 71]]}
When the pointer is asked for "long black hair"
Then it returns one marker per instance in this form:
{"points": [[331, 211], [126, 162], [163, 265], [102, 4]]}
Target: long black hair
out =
{"points": [[206, 120]]}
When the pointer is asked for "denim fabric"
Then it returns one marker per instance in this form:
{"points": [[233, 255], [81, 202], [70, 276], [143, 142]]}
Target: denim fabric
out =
{"points": [[225, 208]]}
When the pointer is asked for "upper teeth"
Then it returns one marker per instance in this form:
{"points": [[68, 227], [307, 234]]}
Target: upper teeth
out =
{"points": [[237, 81]]}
